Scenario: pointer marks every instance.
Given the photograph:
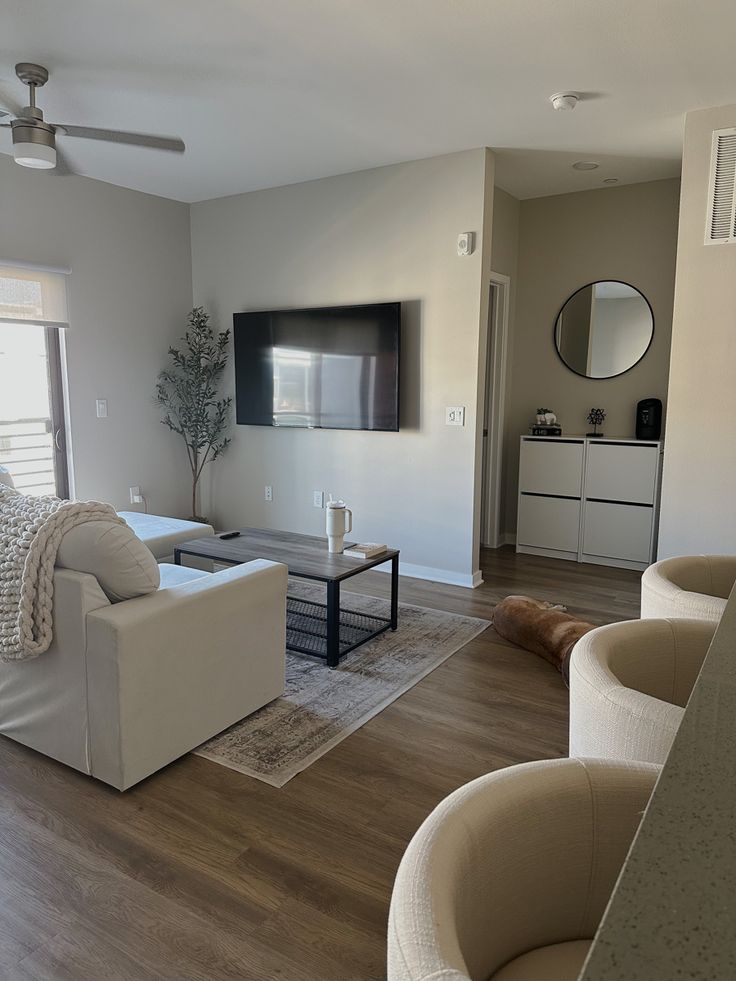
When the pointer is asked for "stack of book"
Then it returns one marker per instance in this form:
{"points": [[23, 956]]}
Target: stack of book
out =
{"points": [[369, 550]]}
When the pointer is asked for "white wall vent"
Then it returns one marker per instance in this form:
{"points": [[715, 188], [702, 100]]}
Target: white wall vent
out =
{"points": [[721, 226]]}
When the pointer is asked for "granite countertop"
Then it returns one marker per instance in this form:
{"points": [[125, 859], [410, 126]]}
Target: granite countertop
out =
{"points": [[673, 912]]}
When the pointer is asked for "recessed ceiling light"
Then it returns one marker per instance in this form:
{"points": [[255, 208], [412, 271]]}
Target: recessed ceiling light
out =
{"points": [[564, 101], [585, 165], [611, 180]]}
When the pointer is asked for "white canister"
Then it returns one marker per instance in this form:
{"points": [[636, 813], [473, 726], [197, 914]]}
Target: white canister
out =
{"points": [[339, 524]]}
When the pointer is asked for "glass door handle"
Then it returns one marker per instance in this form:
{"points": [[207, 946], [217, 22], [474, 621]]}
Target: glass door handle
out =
{"points": [[58, 440]]}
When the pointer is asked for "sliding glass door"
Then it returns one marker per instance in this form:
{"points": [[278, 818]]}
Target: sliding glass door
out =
{"points": [[32, 426]]}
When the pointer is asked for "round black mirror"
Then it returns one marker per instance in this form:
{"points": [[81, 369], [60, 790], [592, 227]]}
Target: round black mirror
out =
{"points": [[604, 329]]}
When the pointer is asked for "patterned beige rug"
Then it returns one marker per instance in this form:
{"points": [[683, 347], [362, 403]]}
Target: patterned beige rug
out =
{"points": [[320, 708]]}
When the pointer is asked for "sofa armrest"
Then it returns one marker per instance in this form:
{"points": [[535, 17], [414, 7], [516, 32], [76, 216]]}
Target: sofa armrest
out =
{"points": [[170, 670]]}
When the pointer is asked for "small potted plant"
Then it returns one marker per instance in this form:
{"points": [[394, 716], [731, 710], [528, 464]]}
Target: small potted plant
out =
{"points": [[595, 419]]}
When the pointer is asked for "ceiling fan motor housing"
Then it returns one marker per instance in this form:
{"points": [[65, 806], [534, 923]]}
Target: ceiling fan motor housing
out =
{"points": [[34, 141], [29, 129]]}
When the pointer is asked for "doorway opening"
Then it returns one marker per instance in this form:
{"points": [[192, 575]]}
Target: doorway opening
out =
{"points": [[494, 400], [32, 418]]}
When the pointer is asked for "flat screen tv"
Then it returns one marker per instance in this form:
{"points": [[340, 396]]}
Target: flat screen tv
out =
{"points": [[322, 368]]}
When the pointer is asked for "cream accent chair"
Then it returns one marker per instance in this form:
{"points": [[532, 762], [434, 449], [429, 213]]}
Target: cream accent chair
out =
{"points": [[509, 876], [629, 684], [147, 661], [693, 586]]}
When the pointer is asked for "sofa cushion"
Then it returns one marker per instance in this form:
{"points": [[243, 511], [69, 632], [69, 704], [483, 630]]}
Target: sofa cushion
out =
{"points": [[557, 962], [162, 534], [6, 478], [175, 575], [110, 552]]}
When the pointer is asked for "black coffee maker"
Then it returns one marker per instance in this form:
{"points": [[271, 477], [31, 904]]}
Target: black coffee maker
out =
{"points": [[649, 419]]}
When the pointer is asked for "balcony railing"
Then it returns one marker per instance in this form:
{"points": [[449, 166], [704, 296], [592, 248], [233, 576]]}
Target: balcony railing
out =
{"points": [[27, 451]]}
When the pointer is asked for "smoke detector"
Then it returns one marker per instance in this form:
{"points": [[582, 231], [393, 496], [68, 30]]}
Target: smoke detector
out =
{"points": [[564, 101], [585, 165]]}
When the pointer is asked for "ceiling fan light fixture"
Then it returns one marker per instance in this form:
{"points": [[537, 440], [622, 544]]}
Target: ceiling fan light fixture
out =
{"points": [[34, 155]]}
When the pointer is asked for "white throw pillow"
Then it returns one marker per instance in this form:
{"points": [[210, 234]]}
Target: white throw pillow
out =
{"points": [[110, 552], [5, 477]]}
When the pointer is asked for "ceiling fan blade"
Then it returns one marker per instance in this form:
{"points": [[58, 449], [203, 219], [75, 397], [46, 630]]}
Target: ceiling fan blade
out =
{"points": [[117, 136]]}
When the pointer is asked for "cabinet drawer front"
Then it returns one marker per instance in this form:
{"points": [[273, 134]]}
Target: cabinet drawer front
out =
{"points": [[549, 522], [618, 531], [621, 473], [548, 467]]}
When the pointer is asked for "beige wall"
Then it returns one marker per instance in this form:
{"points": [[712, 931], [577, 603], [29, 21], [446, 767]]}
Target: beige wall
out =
{"points": [[698, 513], [384, 234], [627, 233], [505, 239], [129, 292]]}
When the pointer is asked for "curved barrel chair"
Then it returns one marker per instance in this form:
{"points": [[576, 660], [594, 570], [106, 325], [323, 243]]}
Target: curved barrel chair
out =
{"points": [[693, 586], [509, 876], [629, 684]]}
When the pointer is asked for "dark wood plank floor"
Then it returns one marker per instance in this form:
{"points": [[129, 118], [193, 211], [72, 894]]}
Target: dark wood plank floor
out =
{"points": [[202, 873]]}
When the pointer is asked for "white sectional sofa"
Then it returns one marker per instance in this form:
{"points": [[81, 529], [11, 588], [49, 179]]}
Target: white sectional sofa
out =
{"points": [[162, 534], [148, 660]]}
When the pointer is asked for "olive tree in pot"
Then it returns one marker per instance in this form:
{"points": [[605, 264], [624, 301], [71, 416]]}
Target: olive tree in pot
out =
{"points": [[187, 391]]}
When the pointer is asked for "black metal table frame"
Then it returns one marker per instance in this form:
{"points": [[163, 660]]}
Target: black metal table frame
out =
{"points": [[333, 601]]}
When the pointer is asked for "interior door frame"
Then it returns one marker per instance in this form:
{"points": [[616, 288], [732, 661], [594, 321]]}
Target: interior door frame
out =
{"points": [[497, 349], [57, 410]]}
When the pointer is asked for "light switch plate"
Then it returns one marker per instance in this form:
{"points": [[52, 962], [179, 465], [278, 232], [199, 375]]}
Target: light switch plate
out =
{"points": [[101, 406], [455, 415]]}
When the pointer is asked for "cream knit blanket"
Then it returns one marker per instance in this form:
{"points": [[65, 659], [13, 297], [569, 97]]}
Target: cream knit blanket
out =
{"points": [[31, 529]]}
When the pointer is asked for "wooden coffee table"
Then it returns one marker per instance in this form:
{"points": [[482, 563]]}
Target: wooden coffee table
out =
{"points": [[324, 630]]}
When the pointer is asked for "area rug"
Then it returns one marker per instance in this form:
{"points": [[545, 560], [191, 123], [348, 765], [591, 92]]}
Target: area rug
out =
{"points": [[320, 707]]}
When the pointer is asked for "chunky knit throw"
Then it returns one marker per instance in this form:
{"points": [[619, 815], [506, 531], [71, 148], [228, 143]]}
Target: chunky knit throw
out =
{"points": [[31, 529]]}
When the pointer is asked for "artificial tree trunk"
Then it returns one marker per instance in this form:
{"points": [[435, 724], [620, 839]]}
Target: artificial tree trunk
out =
{"points": [[196, 474]]}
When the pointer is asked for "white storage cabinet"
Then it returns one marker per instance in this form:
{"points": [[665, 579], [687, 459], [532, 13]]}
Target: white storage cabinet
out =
{"points": [[589, 500]]}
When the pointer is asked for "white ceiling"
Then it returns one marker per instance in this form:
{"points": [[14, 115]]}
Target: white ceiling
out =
{"points": [[269, 92]]}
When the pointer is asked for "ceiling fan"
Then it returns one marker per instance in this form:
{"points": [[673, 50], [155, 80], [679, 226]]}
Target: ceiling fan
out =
{"points": [[34, 140]]}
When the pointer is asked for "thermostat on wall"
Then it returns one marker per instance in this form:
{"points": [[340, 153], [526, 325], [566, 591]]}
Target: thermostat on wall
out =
{"points": [[465, 243]]}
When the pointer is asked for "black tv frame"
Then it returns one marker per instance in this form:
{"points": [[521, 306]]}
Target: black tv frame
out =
{"points": [[331, 309]]}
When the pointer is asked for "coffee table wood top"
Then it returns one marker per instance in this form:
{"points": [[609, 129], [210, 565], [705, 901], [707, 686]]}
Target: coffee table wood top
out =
{"points": [[305, 555]]}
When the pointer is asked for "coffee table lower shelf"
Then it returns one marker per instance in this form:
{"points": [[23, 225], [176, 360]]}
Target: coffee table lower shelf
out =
{"points": [[306, 627]]}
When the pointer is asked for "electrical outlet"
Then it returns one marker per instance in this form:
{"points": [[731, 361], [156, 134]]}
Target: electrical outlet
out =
{"points": [[318, 499], [268, 495], [135, 495]]}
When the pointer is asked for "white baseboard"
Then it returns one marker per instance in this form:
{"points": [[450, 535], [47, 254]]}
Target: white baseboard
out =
{"points": [[507, 538], [434, 575]]}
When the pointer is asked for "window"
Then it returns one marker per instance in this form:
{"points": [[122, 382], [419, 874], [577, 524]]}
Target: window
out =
{"points": [[32, 422]]}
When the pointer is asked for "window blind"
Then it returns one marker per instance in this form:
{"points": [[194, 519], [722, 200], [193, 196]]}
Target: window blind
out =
{"points": [[36, 296]]}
